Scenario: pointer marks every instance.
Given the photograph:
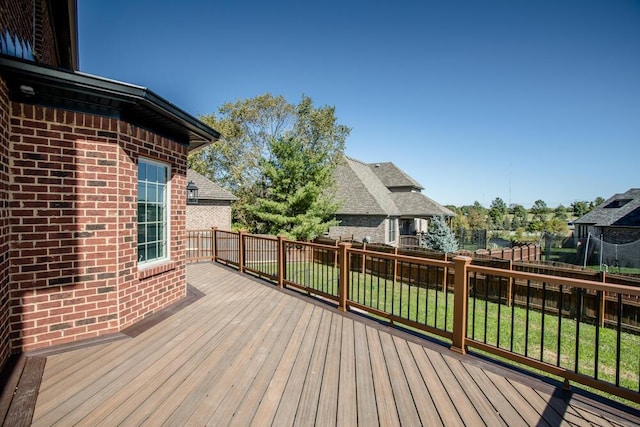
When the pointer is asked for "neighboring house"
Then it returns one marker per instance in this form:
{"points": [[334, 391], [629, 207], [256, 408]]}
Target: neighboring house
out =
{"points": [[617, 220], [92, 188], [379, 203], [211, 207], [415, 208]]}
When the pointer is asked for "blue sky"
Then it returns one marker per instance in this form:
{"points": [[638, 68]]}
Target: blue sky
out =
{"points": [[522, 100]]}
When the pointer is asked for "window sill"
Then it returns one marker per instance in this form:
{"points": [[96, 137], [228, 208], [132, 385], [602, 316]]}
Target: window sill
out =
{"points": [[146, 271]]}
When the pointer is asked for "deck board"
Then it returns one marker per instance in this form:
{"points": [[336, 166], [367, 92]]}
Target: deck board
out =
{"points": [[422, 398], [494, 395], [443, 402], [385, 403], [286, 412], [247, 353], [366, 394], [466, 409], [326, 414], [347, 403], [310, 395], [407, 411]]}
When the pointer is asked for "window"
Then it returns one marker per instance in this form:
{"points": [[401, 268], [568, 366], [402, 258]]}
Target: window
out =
{"points": [[153, 205], [393, 225], [617, 203]]}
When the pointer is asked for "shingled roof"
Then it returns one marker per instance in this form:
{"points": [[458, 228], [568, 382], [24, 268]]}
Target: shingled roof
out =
{"points": [[621, 210], [417, 204], [360, 192], [207, 189], [393, 177]]}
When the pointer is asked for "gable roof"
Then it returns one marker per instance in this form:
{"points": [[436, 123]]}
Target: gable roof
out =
{"points": [[360, 192], [621, 210], [392, 176], [415, 204], [207, 189]]}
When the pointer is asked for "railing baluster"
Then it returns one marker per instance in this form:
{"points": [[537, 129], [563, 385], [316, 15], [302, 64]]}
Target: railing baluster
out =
{"points": [[499, 311], [560, 307], [512, 286], [526, 328], [597, 344], [618, 339], [473, 313], [578, 321], [542, 311], [446, 296], [487, 279]]}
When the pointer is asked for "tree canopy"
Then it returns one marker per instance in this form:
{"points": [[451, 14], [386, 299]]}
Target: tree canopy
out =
{"points": [[248, 127], [295, 200]]}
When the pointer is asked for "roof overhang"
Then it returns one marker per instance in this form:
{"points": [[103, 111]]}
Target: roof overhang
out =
{"points": [[31, 83]]}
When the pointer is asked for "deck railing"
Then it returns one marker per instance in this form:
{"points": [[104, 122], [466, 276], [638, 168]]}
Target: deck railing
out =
{"points": [[550, 323]]}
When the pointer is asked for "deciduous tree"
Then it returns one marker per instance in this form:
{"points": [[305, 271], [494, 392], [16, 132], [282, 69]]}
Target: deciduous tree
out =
{"points": [[247, 127]]}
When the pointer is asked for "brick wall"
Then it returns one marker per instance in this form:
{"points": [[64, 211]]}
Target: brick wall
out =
{"points": [[214, 214], [74, 273], [17, 18], [4, 224], [360, 226], [146, 291]]}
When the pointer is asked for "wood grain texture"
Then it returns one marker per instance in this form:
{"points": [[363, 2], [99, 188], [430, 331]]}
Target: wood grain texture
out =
{"points": [[248, 353]]}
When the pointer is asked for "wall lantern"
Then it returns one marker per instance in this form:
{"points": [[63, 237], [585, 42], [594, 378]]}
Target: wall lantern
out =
{"points": [[192, 193]]}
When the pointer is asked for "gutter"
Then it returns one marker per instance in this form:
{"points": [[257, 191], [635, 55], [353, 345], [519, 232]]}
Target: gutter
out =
{"points": [[49, 84]]}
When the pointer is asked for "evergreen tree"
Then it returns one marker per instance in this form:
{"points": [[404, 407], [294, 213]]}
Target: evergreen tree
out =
{"points": [[294, 199], [440, 237], [519, 217], [497, 213]]}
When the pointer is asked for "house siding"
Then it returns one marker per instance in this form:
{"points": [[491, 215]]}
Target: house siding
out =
{"points": [[356, 227], [73, 257], [215, 213]]}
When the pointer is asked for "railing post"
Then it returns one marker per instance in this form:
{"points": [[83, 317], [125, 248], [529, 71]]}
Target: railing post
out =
{"points": [[281, 261], [460, 302], [343, 284], [214, 244], [241, 234]]}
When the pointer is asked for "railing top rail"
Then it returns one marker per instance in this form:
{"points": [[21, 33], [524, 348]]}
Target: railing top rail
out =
{"points": [[557, 280], [311, 245], [403, 258], [199, 230], [227, 232], [259, 237]]}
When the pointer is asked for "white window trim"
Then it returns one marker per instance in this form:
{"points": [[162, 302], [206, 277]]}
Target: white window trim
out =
{"points": [[143, 265]]}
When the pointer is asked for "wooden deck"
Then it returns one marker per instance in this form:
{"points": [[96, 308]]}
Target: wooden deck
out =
{"points": [[247, 353]]}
